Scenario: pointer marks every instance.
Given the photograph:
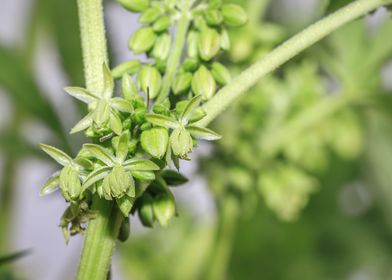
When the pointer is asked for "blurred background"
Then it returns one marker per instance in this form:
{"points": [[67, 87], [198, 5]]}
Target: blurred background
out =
{"points": [[298, 188]]}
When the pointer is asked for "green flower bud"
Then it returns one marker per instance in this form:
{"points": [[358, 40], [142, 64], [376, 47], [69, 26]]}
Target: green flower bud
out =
{"points": [[125, 230], [191, 43], [203, 83], [128, 67], [162, 47], [220, 73], [234, 15], [139, 115], [142, 40], [213, 17], [145, 212], [135, 6], [154, 141], [129, 90], [102, 113], [182, 83], [214, 4], [164, 208], [190, 64], [162, 24], [181, 142], [161, 66], [150, 15], [119, 181], [208, 44], [150, 80], [70, 185], [225, 40]]}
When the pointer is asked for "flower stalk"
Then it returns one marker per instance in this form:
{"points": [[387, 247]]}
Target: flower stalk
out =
{"points": [[284, 53], [102, 231]]}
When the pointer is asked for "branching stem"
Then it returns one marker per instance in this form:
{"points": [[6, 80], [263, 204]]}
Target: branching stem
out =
{"points": [[285, 52]]}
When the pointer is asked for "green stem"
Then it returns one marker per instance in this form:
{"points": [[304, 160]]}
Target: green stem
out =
{"points": [[220, 253], [100, 241], [285, 52], [174, 59], [102, 231], [92, 32]]}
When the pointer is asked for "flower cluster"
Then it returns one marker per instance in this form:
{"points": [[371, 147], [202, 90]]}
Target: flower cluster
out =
{"points": [[136, 138]]}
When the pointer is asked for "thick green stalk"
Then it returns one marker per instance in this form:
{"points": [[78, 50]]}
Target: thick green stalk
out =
{"points": [[174, 59], [102, 231], [285, 52], [94, 49], [100, 241]]}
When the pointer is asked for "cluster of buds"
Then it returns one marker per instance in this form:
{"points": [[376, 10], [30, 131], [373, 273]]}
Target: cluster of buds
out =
{"points": [[137, 138]]}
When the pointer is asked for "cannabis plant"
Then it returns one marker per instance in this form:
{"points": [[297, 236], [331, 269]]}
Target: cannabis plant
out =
{"points": [[142, 127]]}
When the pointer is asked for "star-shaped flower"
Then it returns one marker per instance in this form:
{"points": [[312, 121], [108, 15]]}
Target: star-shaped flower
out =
{"points": [[181, 141], [103, 106]]}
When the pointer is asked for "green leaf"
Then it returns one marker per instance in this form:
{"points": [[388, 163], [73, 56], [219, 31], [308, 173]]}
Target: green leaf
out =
{"points": [[203, 133], [51, 184], [122, 146], [81, 94], [154, 141], [125, 204], [107, 81], [83, 123], [190, 107], [173, 178], [56, 154], [17, 81], [100, 153], [121, 105], [161, 120], [96, 175], [140, 165], [13, 257]]}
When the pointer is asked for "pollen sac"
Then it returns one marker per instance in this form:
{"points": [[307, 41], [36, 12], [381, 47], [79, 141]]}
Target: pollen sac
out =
{"points": [[203, 83], [143, 40], [135, 6], [145, 211], [154, 141], [164, 208], [150, 80], [220, 73], [181, 142], [162, 47], [234, 15], [119, 181], [70, 185], [182, 83], [208, 44]]}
